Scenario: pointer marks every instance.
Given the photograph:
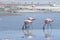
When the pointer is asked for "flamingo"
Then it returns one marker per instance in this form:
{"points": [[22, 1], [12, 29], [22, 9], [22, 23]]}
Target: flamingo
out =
{"points": [[47, 22]]}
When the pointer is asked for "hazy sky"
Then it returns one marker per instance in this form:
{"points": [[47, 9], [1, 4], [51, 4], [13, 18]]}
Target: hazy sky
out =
{"points": [[29, 1]]}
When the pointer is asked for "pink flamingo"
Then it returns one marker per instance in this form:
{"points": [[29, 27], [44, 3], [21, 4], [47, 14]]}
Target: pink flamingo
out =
{"points": [[47, 22], [27, 23]]}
